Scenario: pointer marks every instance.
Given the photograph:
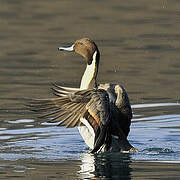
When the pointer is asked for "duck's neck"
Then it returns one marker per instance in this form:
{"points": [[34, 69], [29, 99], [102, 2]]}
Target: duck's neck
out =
{"points": [[89, 77]]}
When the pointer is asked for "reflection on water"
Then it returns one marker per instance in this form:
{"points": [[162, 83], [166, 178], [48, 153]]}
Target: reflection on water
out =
{"points": [[139, 44], [107, 165]]}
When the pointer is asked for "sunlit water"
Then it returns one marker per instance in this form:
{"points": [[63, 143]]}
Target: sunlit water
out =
{"points": [[139, 45]]}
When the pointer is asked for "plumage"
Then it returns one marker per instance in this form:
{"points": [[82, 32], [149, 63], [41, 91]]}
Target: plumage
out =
{"points": [[101, 112]]}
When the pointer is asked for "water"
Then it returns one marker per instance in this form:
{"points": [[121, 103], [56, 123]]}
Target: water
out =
{"points": [[139, 44]]}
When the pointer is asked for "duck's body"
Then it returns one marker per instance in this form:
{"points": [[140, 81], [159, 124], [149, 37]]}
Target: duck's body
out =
{"points": [[102, 112]]}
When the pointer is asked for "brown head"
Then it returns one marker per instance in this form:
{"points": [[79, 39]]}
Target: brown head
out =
{"points": [[85, 47]]}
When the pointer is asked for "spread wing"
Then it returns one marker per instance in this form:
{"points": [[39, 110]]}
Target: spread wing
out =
{"points": [[120, 108], [71, 105], [65, 109], [121, 114]]}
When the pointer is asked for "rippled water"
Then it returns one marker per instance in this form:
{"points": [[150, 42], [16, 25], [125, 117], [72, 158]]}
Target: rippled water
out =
{"points": [[139, 44], [32, 150]]}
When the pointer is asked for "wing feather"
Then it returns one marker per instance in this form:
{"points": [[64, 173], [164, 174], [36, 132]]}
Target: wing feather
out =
{"points": [[99, 108], [67, 109], [62, 91], [70, 106], [71, 119]]}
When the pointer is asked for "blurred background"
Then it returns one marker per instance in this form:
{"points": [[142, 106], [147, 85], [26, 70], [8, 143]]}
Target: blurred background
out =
{"points": [[140, 49]]}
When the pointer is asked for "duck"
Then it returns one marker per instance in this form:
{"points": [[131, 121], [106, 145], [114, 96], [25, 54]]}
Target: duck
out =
{"points": [[101, 112]]}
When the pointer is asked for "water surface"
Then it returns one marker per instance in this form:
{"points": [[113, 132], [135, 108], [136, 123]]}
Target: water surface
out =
{"points": [[139, 44]]}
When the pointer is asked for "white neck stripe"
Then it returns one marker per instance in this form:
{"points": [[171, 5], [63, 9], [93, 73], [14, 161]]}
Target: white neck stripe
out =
{"points": [[89, 73]]}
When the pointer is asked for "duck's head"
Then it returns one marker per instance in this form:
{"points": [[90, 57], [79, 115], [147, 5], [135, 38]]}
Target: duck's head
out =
{"points": [[86, 48]]}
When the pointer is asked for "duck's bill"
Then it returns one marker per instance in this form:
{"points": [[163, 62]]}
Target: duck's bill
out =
{"points": [[71, 48]]}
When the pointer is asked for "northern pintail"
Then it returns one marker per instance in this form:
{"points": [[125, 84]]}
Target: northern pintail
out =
{"points": [[102, 112]]}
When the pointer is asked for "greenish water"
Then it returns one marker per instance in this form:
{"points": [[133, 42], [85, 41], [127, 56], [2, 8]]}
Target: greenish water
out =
{"points": [[139, 44]]}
